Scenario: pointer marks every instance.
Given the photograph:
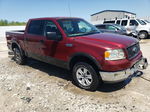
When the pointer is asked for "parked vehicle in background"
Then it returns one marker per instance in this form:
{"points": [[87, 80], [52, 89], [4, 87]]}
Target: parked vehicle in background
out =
{"points": [[115, 28], [74, 44], [130, 24]]}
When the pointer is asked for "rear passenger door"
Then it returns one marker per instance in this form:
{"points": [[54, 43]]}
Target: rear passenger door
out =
{"points": [[118, 22], [124, 23], [34, 38]]}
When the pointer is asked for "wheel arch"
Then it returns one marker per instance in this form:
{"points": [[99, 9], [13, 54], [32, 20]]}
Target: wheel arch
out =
{"points": [[143, 31], [83, 57], [14, 44]]}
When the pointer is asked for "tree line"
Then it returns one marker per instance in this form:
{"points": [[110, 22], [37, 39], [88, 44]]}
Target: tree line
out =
{"points": [[11, 23]]}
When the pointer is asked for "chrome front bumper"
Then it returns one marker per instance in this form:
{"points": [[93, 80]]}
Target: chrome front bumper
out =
{"points": [[122, 75]]}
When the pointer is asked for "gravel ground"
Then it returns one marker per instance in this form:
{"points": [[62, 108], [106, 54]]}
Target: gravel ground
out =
{"points": [[40, 87]]}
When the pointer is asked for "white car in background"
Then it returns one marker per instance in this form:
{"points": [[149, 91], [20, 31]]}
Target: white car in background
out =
{"points": [[130, 24]]}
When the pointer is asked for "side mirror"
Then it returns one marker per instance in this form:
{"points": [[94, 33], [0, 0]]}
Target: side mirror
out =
{"points": [[53, 36]]}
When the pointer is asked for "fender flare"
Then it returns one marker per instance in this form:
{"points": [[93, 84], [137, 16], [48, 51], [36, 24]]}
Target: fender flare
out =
{"points": [[15, 42], [92, 58]]}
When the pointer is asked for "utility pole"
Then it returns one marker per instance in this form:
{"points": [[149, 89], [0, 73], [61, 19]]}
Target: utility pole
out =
{"points": [[69, 8]]}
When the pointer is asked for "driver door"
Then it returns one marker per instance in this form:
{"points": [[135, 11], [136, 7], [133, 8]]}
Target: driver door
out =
{"points": [[53, 50]]}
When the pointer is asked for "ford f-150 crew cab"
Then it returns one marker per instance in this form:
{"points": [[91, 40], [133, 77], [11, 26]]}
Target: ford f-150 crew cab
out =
{"points": [[92, 57]]}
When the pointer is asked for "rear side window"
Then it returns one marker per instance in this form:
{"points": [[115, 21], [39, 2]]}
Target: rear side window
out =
{"points": [[118, 22], [101, 26], [109, 21], [36, 27], [124, 22], [133, 23]]}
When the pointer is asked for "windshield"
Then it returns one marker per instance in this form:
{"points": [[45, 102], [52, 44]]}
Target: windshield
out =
{"points": [[77, 27], [141, 22]]}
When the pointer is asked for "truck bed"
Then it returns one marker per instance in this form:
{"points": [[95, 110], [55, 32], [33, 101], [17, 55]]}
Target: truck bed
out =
{"points": [[17, 35], [15, 32]]}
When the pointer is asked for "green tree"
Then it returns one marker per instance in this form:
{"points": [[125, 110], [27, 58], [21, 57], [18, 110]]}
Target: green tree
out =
{"points": [[11, 23]]}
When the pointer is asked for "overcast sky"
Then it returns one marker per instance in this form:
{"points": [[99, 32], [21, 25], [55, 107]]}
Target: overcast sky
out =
{"points": [[22, 10]]}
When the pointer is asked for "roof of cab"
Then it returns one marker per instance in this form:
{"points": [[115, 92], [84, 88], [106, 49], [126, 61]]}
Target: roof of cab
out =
{"points": [[54, 18]]}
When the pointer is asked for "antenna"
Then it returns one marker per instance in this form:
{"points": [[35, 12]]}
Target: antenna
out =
{"points": [[69, 7]]}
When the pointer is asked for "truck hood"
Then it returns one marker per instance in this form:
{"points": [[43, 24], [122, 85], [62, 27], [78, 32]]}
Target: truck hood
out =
{"points": [[108, 39]]}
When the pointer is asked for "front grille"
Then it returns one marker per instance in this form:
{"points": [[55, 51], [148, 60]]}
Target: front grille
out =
{"points": [[133, 50]]}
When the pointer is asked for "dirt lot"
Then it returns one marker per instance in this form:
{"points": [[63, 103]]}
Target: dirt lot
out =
{"points": [[39, 87]]}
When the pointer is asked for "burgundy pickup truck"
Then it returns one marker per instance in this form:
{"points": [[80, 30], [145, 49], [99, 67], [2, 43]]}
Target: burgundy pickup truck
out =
{"points": [[92, 57]]}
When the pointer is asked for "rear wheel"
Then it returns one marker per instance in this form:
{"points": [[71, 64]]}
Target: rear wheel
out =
{"points": [[18, 57], [143, 35], [85, 76]]}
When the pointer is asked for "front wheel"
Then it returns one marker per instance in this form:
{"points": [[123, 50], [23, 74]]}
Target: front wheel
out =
{"points": [[85, 76], [143, 35]]}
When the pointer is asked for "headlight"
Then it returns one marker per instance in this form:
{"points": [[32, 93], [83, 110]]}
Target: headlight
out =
{"points": [[115, 54]]}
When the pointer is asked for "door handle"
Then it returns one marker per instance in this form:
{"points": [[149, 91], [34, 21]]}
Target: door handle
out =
{"points": [[42, 41], [69, 45]]}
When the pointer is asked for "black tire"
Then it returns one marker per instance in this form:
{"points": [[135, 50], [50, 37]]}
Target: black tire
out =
{"points": [[18, 57], [143, 35], [95, 82]]}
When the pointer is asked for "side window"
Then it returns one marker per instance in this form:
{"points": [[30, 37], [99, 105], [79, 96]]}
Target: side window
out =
{"points": [[133, 23], [51, 27], [124, 22], [110, 27], [118, 22], [101, 26], [36, 27], [113, 22], [109, 21]]}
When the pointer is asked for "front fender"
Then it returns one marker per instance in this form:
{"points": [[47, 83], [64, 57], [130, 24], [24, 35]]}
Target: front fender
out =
{"points": [[92, 58]]}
